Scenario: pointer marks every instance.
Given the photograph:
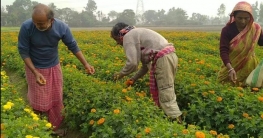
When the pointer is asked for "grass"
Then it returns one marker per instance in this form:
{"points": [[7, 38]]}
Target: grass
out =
{"points": [[178, 28]]}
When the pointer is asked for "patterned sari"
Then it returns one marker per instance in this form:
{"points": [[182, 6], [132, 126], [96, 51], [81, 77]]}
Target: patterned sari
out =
{"points": [[241, 54]]}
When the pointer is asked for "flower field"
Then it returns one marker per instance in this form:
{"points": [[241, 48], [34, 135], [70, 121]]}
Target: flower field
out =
{"points": [[103, 108]]}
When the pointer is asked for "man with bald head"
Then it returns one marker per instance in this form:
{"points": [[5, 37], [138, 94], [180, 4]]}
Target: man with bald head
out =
{"points": [[38, 47]]}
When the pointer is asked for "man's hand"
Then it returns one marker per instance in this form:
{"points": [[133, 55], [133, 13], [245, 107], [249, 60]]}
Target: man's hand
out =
{"points": [[89, 69], [117, 76]]}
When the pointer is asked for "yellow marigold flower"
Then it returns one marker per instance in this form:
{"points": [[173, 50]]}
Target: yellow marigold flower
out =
{"points": [[101, 121], [219, 99], [147, 130], [124, 90], [33, 115], [260, 99], [35, 118], [261, 116], [93, 110], [3, 89], [128, 98], [185, 131], [91, 122], [107, 71], [10, 103], [231, 126], [212, 92], [48, 125], [240, 94], [240, 88], [27, 110], [7, 107], [204, 94], [175, 135], [29, 136], [193, 84], [2, 73], [116, 111], [199, 134], [212, 132], [2, 126], [136, 120], [139, 136], [207, 82], [245, 115]]}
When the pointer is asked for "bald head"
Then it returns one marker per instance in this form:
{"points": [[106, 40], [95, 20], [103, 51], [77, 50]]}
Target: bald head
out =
{"points": [[42, 10]]}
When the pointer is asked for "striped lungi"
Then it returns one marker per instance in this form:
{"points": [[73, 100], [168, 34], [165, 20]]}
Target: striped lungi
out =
{"points": [[47, 98]]}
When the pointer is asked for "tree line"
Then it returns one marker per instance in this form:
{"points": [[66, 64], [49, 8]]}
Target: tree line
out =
{"points": [[20, 10]]}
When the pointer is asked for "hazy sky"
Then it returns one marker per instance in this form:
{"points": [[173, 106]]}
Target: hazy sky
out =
{"points": [[205, 7]]}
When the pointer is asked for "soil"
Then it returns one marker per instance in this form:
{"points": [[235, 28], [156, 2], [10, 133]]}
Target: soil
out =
{"points": [[21, 86]]}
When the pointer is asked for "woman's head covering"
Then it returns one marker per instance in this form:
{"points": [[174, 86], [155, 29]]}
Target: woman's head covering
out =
{"points": [[241, 6]]}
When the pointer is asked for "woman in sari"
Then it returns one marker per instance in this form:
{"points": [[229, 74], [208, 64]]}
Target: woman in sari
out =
{"points": [[237, 44]]}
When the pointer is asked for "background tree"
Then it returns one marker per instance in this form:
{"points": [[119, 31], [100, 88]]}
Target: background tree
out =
{"points": [[176, 16], [150, 17], [127, 16], [198, 19], [260, 15], [113, 15], [91, 6], [221, 12], [255, 11]]}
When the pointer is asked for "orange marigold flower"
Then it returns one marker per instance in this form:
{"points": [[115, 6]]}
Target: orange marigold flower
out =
{"points": [[116, 111], [147, 130], [91, 122], [207, 82], [212, 92], [231, 126], [139, 136], [255, 89], [219, 99], [101, 121], [212, 132], [240, 94], [260, 99], [193, 84], [261, 116], [185, 131], [128, 82], [245, 115], [93, 110], [199, 134]]}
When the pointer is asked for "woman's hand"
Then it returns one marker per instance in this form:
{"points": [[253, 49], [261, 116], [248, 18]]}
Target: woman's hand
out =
{"points": [[232, 75]]}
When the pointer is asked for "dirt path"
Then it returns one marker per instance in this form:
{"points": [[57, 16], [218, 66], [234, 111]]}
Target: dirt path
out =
{"points": [[21, 86]]}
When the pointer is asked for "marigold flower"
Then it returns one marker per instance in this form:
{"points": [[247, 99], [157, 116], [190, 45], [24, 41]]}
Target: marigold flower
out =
{"points": [[219, 99], [261, 116], [185, 131], [27, 110], [231, 126], [2, 126], [147, 130], [124, 90], [204, 94], [260, 99], [116, 111], [128, 82], [212, 92], [3, 89], [35, 118], [255, 89], [48, 125], [7, 107], [91, 122], [245, 115], [212, 132], [29, 136], [199, 134], [240, 88], [10, 103], [101, 121], [93, 110]]}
